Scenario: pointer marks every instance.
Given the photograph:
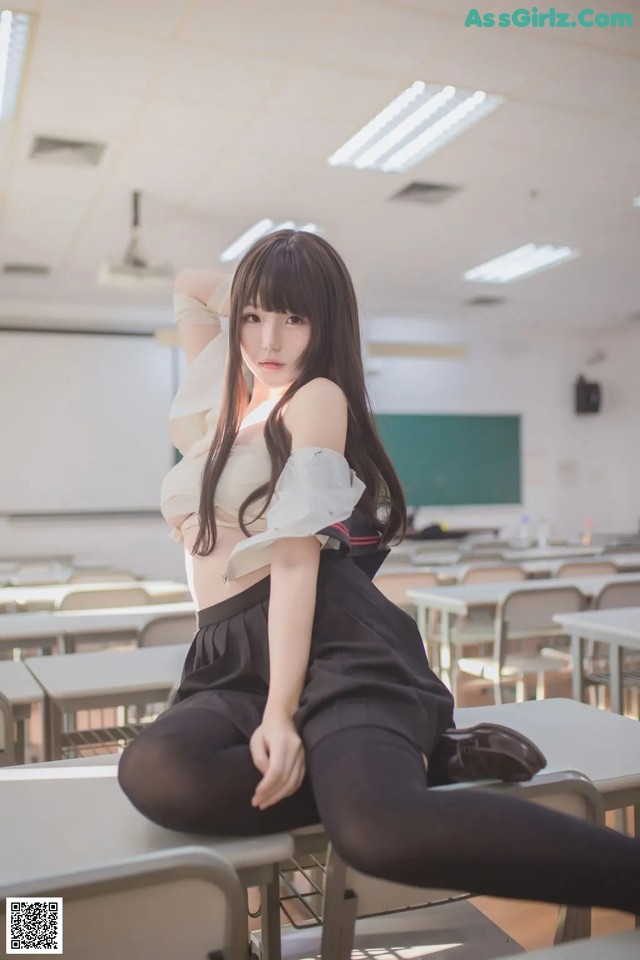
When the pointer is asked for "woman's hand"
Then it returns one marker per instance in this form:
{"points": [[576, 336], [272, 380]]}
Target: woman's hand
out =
{"points": [[278, 753], [202, 284]]}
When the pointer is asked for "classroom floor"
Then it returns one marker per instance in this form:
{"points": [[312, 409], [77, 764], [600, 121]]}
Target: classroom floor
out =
{"points": [[530, 924]]}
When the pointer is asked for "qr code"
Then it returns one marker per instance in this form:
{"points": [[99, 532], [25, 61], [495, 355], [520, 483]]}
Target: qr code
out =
{"points": [[34, 925]]}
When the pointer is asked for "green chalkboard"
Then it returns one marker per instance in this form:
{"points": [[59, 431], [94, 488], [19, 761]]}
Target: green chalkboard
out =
{"points": [[443, 460]]}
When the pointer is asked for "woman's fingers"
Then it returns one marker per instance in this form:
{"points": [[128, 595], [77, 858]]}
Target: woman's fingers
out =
{"points": [[284, 769], [259, 753]]}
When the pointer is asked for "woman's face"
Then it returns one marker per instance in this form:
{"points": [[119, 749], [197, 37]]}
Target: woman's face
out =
{"points": [[282, 337]]}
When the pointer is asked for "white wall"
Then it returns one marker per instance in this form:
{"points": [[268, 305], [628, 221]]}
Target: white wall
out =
{"points": [[83, 426], [573, 466]]}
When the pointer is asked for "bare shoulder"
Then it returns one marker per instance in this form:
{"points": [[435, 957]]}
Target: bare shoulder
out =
{"points": [[317, 415]]}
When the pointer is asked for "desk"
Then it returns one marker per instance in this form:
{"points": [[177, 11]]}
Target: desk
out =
{"points": [[572, 735], [22, 629], [619, 946], [550, 553], [620, 629], [39, 839], [52, 595], [109, 678], [474, 596]]}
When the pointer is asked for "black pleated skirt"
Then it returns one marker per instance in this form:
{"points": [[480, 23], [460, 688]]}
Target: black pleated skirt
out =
{"points": [[367, 664]]}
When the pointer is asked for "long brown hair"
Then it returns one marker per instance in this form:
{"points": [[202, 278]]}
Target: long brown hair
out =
{"points": [[300, 273]]}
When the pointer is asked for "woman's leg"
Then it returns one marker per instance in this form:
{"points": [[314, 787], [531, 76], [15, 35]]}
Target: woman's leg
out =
{"points": [[191, 770], [371, 790]]}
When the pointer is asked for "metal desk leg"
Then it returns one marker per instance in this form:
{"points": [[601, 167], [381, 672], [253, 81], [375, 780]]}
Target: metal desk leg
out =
{"points": [[21, 740], [270, 914], [53, 744], [573, 923], [577, 680], [615, 673]]}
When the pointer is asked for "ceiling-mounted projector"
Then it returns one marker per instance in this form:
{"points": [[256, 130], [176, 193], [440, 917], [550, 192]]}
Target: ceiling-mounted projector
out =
{"points": [[134, 270]]}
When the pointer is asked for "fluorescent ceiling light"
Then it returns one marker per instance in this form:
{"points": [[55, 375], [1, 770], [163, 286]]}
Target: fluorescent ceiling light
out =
{"points": [[14, 35], [517, 263], [636, 201], [414, 125], [261, 229]]}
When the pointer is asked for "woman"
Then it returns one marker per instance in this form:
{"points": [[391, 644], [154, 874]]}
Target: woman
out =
{"points": [[306, 695]]}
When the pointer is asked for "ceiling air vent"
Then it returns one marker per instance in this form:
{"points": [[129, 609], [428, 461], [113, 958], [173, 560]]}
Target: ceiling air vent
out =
{"points": [[25, 270], [74, 153], [425, 192], [485, 301]]}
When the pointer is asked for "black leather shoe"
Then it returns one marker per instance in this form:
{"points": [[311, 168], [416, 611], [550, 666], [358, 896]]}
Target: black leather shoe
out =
{"points": [[491, 752]]}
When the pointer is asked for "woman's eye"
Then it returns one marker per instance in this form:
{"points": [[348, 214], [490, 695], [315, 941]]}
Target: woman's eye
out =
{"points": [[298, 320]]}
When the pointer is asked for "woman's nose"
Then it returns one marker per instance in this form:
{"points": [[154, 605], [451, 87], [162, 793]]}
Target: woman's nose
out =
{"points": [[270, 339]]}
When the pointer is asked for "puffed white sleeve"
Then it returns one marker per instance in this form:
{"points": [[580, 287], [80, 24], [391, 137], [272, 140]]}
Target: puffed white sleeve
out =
{"points": [[196, 406], [316, 489]]}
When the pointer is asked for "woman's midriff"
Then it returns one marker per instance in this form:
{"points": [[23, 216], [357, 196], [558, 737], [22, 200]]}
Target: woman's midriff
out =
{"points": [[204, 574]]}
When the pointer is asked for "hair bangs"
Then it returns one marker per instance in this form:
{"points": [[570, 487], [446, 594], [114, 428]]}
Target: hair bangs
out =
{"points": [[281, 280]]}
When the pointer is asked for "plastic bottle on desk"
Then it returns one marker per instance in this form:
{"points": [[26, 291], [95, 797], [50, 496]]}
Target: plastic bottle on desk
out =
{"points": [[524, 534], [544, 534], [587, 531]]}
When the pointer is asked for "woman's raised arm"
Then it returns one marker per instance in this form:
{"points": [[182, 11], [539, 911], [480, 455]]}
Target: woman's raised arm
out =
{"points": [[201, 296]]}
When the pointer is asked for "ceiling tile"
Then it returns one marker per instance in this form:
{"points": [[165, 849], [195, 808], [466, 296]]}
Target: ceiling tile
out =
{"points": [[88, 57], [383, 38], [277, 28], [146, 18], [208, 75]]}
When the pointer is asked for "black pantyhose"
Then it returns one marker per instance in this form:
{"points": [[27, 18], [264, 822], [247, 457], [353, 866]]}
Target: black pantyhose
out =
{"points": [[191, 770]]}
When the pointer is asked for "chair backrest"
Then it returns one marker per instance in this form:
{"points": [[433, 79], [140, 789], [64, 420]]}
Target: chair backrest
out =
{"points": [[394, 586], [482, 553], [533, 609], [105, 576], [618, 595], [187, 902], [493, 574], [168, 630], [98, 599], [577, 568]]}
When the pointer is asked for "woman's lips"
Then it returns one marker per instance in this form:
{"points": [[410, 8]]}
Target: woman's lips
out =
{"points": [[270, 363]]}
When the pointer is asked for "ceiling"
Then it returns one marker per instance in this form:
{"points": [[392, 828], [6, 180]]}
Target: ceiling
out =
{"points": [[224, 111]]}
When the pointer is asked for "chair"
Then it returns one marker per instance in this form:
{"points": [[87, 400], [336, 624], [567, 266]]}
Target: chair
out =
{"points": [[524, 616], [168, 630], [161, 632], [577, 568], [98, 600], [106, 576], [394, 586], [40, 573], [596, 663], [475, 630], [187, 902], [496, 574], [349, 894]]}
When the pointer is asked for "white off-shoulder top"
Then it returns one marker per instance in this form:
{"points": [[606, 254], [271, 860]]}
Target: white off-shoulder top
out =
{"points": [[315, 489]]}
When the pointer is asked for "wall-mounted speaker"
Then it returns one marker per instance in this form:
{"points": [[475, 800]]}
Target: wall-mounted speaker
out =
{"points": [[588, 396]]}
